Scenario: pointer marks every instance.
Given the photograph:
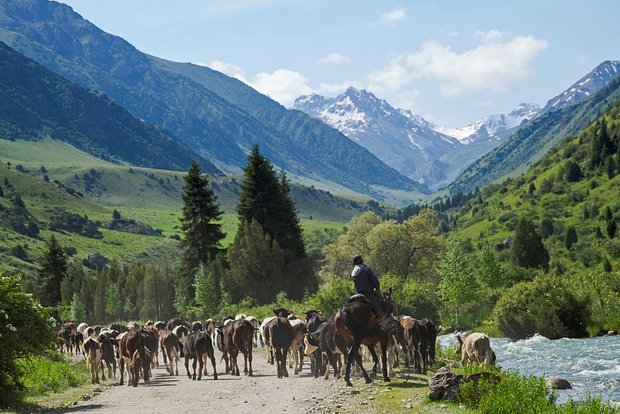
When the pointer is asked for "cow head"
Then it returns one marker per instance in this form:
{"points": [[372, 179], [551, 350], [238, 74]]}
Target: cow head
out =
{"points": [[282, 312]]}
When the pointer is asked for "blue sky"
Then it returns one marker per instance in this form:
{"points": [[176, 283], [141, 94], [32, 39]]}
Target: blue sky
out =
{"points": [[450, 61]]}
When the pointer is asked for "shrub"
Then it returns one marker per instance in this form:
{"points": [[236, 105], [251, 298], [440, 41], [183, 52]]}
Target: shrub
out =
{"points": [[51, 373], [24, 332], [513, 394], [332, 296], [546, 306]]}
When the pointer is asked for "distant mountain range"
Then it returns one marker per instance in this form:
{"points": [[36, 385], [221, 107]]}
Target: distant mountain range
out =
{"points": [[436, 155], [399, 138], [218, 117], [36, 104]]}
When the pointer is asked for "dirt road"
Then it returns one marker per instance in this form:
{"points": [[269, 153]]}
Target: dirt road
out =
{"points": [[262, 393]]}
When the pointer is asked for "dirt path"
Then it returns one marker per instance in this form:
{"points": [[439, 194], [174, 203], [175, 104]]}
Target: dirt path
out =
{"points": [[263, 393]]}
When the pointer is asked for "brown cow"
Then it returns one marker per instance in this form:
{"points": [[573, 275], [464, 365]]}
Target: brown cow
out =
{"points": [[93, 349], [417, 341], [64, 335], [280, 337], [107, 355], [170, 350], [132, 351], [475, 347], [194, 346]]}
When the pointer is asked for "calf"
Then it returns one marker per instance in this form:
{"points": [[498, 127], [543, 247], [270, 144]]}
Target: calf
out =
{"points": [[194, 347], [93, 349], [133, 353], [476, 348], [280, 337], [170, 349], [77, 341], [314, 321], [297, 344], [243, 338], [107, 343], [264, 332], [331, 344], [64, 335]]}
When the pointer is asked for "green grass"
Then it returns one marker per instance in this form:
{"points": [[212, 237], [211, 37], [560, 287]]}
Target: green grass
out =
{"points": [[51, 374]]}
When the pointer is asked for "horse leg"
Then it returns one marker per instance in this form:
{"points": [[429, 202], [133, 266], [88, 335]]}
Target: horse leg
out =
{"points": [[386, 378], [351, 356], [375, 360], [358, 359]]}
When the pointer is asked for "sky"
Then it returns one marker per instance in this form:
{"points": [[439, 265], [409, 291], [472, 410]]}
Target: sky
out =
{"points": [[450, 61]]}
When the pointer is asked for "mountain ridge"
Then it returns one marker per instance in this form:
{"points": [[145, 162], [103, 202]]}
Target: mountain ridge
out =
{"points": [[36, 103], [154, 89]]}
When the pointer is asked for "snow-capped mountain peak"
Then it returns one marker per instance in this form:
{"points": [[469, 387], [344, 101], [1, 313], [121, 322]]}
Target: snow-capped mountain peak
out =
{"points": [[401, 139], [584, 87]]}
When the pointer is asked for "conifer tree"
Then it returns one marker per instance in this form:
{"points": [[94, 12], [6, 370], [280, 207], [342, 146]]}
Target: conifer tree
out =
{"points": [[77, 310], [571, 237], [199, 223], [528, 249], [53, 269], [266, 199], [612, 227]]}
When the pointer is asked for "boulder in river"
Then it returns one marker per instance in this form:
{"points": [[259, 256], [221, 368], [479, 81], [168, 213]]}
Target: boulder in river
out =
{"points": [[558, 383]]}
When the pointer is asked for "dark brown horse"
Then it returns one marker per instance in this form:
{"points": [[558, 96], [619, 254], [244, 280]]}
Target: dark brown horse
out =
{"points": [[360, 325]]}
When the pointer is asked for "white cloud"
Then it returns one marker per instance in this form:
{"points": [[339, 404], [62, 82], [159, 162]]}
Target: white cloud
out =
{"points": [[229, 69], [392, 17], [493, 66], [282, 85], [335, 57], [491, 36]]}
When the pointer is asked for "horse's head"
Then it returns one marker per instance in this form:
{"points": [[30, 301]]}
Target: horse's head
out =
{"points": [[387, 296]]}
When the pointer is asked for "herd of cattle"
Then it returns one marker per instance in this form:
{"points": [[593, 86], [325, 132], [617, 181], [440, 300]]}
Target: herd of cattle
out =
{"points": [[136, 350]]}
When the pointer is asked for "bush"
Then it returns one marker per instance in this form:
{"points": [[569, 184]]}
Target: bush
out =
{"points": [[51, 373], [546, 306], [332, 296], [513, 394], [24, 332], [412, 298]]}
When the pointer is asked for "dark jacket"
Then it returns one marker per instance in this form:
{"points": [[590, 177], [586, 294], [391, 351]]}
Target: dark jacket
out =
{"points": [[365, 279]]}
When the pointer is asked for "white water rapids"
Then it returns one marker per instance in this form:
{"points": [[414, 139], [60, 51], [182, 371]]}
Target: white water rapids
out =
{"points": [[591, 365]]}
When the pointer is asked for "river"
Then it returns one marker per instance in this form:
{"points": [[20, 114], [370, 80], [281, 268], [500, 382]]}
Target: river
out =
{"points": [[591, 365]]}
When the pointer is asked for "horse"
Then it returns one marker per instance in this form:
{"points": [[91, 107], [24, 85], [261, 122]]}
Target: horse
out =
{"points": [[359, 325]]}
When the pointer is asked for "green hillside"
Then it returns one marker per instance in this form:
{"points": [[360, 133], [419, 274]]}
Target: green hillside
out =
{"points": [[87, 186], [576, 185]]}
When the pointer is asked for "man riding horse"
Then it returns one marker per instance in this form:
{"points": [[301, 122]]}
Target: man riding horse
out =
{"points": [[367, 285]]}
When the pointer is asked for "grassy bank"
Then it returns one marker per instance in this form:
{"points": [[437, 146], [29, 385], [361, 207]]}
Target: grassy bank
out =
{"points": [[52, 381]]}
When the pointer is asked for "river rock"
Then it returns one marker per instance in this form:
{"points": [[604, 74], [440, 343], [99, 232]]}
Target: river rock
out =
{"points": [[558, 383], [443, 384]]}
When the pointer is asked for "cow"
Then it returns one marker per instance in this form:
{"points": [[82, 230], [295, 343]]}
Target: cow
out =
{"points": [[264, 332], [64, 335], [432, 339], [297, 344], [107, 343], [280, 338], [243, 338], [151, 344], [194, 347], [196, 326], [170, 344], [475, 348], [313, 321], [133, 353], [256, 325], [77, 341], [417, 341], [93, 349], [328, 341]]}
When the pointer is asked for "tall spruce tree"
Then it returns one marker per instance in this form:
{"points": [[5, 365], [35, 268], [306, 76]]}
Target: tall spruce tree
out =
{"points": [[53, 269], [199, 223], [265, 199], [528, 249]]}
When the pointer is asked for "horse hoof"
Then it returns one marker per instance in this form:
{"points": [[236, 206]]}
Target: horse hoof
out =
{"points": [[215, 377]]}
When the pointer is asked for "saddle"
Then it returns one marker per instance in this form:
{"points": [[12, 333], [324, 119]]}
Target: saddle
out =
{"points": [[358, 298]]}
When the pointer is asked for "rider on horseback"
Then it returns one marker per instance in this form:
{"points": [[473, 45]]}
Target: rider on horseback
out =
{"points": [[367, 285]]}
